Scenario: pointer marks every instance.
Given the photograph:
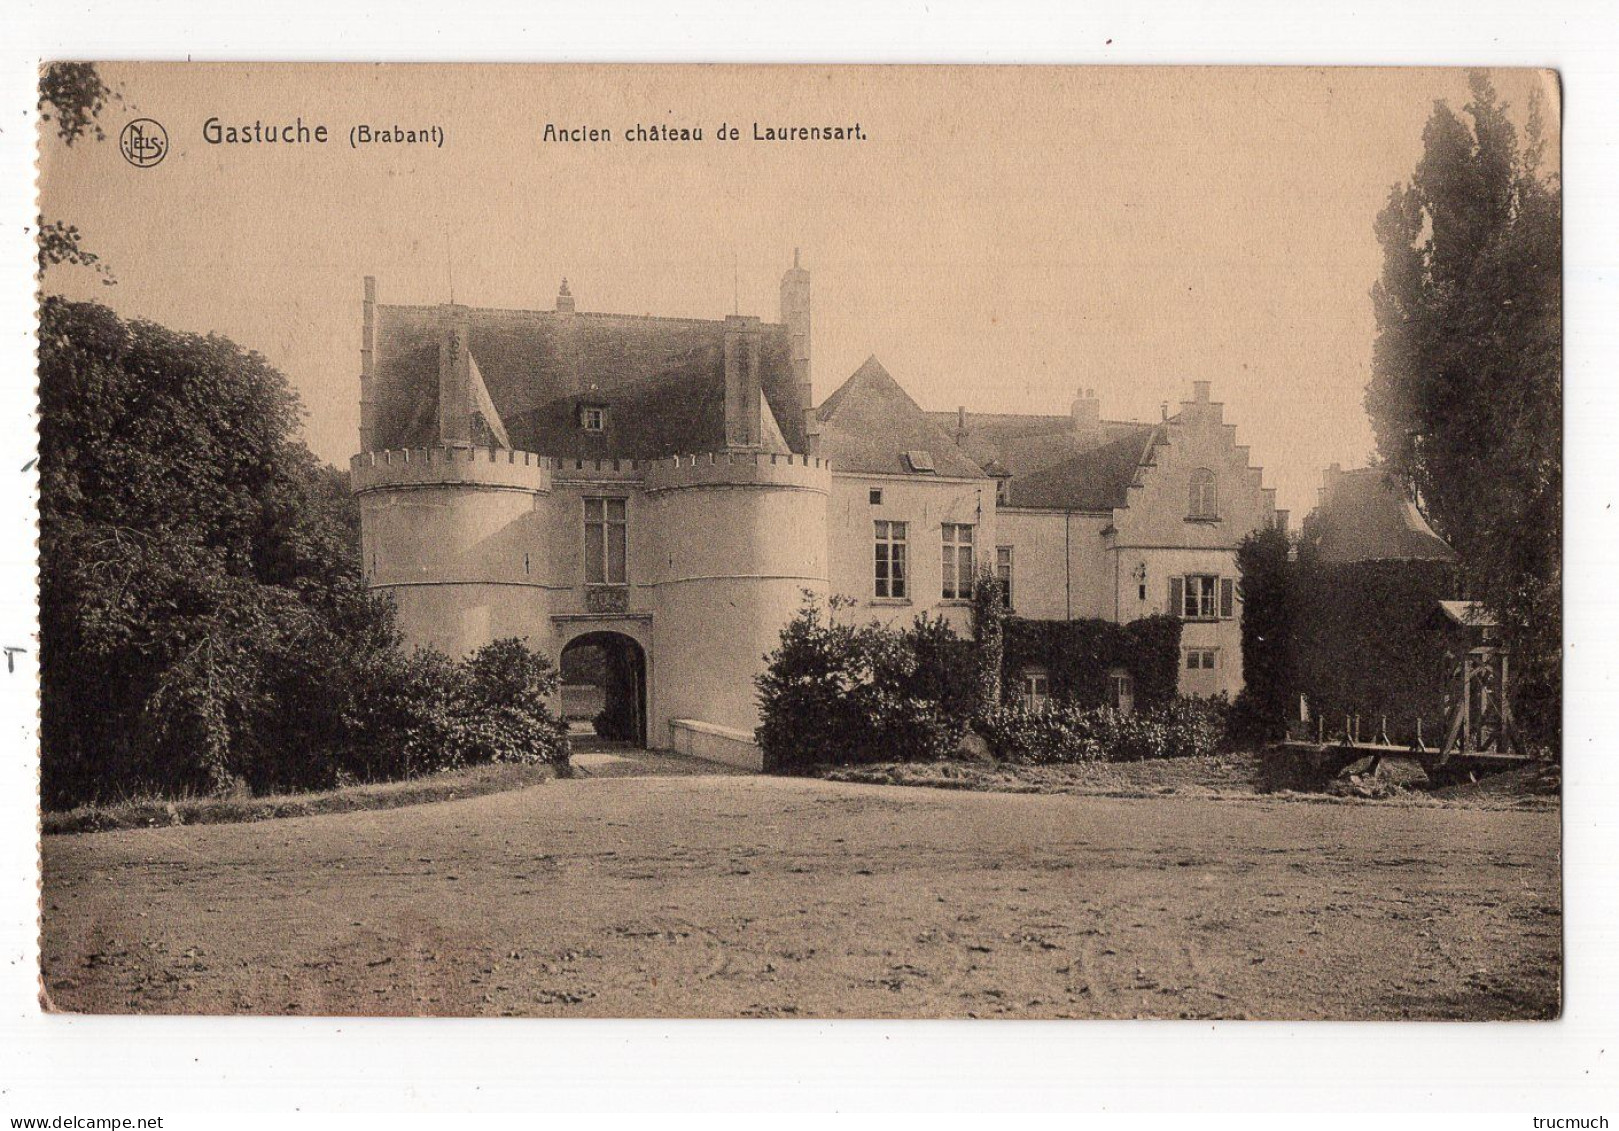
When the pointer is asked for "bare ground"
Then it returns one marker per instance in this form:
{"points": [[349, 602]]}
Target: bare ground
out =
{"points": [[746, 896]]}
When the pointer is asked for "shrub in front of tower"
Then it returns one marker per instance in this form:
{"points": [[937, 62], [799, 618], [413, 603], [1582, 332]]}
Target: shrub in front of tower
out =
{"points": [[424, 713]]}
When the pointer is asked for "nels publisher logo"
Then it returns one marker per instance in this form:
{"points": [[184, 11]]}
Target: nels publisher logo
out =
{"points": [[144, 143]]}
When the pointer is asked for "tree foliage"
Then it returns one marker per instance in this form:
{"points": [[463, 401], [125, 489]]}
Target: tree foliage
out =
{"points": [[204, 624], [1466, 391], [72, 95], [1269, 648]]}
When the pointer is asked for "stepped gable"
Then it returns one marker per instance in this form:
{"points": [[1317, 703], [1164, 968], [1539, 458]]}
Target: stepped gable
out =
{"points": [[871, 422], [662, 379], [1365, 516]]}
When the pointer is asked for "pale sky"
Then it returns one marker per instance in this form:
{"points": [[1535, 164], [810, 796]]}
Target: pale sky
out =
{"points": [[1003, 237]]}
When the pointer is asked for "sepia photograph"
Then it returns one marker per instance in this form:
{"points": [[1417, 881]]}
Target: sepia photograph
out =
{"points": [[883, 542]]}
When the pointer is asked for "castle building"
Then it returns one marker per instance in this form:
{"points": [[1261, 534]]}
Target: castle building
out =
{"points": [[667, 488]]}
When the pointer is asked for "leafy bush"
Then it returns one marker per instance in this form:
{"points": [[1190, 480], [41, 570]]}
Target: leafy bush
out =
{"points": [[1061, 733], [843, 693]]}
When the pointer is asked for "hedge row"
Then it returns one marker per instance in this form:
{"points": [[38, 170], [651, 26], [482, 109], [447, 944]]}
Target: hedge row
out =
{"points": [[1179, 728], [841, 694], [1353, 638], [1077, 655]]}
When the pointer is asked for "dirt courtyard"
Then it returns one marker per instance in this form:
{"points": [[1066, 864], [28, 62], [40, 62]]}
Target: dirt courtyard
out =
{"points": [[729, 896]]}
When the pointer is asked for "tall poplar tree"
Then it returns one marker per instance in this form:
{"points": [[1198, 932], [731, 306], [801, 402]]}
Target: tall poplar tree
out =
{"points": [[1466, 390]]}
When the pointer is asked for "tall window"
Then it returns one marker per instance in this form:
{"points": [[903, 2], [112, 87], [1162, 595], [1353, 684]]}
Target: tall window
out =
{"points": [[1205, 500], [1003, 573], [958, 561], [606, 539], [891, 576]]}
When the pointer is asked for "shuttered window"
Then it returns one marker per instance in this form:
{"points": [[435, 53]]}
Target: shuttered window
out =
{"points": [[1202, 596]]}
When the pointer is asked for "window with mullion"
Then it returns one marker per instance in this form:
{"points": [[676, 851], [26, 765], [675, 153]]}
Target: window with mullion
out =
{"points": [[606, 542], [890, 560], [958, 561], [1202, 593]]}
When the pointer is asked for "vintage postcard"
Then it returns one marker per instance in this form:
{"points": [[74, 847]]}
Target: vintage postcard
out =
{"points": [[743, 541]]}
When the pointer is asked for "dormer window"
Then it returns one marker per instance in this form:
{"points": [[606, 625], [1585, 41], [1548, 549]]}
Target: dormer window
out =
{"points": [[593, 417], [1205, 496]]}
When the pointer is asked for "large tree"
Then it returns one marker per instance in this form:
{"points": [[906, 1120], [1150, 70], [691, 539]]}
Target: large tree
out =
{"points": [[199, 568], [1466, 389]]}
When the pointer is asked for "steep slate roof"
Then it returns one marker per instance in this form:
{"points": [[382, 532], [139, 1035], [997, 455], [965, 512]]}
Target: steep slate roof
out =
{"points": [[661, 379], [1095, 480], [1365, 516], [870, 423], [1053, 464]]}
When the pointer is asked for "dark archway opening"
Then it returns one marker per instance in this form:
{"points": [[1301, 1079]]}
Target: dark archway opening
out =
{"points": [[604, 687]]}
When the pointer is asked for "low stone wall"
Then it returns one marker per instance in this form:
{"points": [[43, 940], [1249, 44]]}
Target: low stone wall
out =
{"points": [[725, 745]]}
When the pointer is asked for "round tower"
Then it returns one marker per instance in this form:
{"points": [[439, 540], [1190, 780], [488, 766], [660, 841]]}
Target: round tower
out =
{"points": [[743, 535], [456, 536]]}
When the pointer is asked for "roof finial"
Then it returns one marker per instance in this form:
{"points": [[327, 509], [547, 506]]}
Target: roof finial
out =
{"points": [[564, 296]]}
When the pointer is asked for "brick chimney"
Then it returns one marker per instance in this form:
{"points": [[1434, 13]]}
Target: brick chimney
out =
{"points": [[795, 315], [1086, 415], [743, 422], [1200, 409], [961, 426], [455, 377], [564, 298]]}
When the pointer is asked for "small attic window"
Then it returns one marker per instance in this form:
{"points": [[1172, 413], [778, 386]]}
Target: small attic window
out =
{"points": [[876, 496], [593, 417], [920, 461]]}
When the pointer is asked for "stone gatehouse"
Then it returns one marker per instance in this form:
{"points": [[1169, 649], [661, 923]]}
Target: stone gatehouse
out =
{"points": [[669, 487]]}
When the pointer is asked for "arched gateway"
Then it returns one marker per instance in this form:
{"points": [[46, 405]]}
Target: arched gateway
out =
{"points": [[604, 685]]}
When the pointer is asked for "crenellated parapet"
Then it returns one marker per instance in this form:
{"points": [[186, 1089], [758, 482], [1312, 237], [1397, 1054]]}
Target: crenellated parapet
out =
{"points": [[763, 470], [493, 468], [599, 470]]}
